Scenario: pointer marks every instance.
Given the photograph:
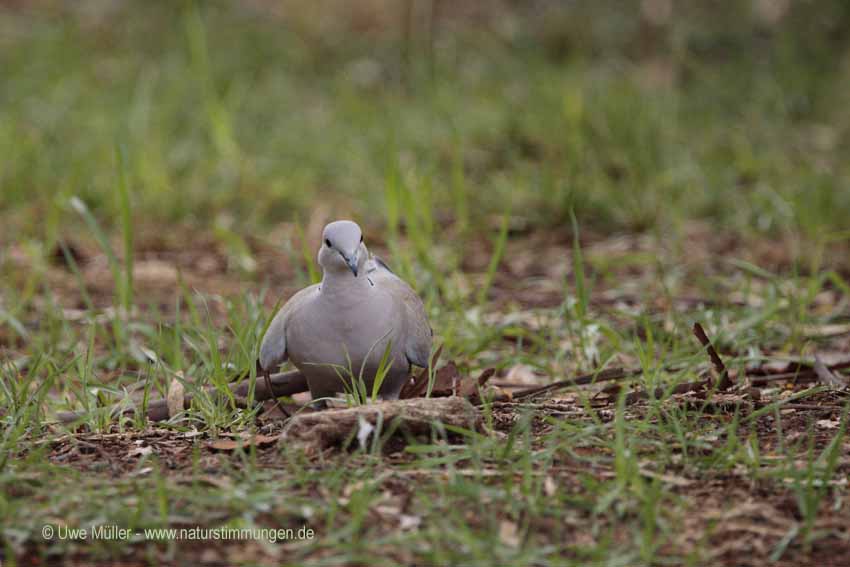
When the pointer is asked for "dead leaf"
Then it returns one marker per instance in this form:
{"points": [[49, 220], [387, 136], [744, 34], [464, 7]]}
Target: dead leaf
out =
{"points": [[509, 533], [155, 272], [549, 486], [489, 392], [446, 381], [233, 444], [823, 331], [387, 510], [666, 478], [827, 423], [522, 374], [142, 472], [407, 522], [140, 451]]}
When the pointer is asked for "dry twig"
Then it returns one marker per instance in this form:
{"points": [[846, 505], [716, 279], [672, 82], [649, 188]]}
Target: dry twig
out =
{"points": [[724, 382], [603, 376]]}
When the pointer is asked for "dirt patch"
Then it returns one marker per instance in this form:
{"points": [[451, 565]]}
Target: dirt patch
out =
{"points": [[730, 518]]}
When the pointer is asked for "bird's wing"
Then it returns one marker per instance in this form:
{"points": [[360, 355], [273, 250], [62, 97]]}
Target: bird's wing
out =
{"points": [[417, 341], [273, 347]]}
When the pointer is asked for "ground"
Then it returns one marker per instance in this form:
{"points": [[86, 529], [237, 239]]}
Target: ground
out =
{"points": [[570, 190]]}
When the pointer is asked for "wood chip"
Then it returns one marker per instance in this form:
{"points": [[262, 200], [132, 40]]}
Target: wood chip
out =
{"points": [[174, 398]]}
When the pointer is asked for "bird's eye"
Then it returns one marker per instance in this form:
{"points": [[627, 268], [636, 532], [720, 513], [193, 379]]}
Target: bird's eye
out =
{"points": [[361, 238], [328, 243]]}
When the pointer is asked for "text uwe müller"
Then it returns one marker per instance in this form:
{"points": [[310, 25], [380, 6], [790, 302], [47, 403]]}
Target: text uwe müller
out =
{"points": [[102, 532]]}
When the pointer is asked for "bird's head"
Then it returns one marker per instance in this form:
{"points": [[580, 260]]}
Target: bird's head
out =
{"points": [[342, 248]]}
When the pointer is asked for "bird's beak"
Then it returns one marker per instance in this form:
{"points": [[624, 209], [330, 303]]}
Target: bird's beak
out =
{"points": [[351, 261]]}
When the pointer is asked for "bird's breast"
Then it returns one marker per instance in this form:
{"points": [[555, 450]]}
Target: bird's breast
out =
{"points": [[339, 333]]}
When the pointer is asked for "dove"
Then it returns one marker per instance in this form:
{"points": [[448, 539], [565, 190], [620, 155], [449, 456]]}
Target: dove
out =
{"points": [[342, 326]]}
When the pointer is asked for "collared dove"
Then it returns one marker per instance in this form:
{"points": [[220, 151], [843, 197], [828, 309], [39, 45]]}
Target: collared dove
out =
{"points": [[341, 326]]}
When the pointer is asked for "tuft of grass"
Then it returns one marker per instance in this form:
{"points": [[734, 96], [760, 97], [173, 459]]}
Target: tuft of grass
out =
{"points": [[495, 259]]}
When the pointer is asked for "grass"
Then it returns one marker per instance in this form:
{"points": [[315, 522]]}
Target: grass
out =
{"points": [[212, 129], [555, 185]]}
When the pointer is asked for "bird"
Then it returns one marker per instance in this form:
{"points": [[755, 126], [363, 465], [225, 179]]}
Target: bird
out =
{"points": [[341, 327]]}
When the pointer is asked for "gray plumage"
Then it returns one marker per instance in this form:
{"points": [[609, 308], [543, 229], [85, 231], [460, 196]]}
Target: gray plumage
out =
{"points": [[346, 321]]}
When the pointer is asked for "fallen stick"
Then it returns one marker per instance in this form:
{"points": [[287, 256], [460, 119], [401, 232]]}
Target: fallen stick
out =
{"points": [[282, 384], [416, 416], [683, 388], [604, 376], [802, 375], [809, 407]]}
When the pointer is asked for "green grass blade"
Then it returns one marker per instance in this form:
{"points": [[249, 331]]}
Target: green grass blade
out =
{"points": [[495, 259]]}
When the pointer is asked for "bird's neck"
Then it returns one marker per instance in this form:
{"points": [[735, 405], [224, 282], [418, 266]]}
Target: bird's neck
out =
{"points": [[343, 284]]}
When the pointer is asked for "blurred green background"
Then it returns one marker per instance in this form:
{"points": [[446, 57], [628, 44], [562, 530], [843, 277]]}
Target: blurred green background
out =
{"points": [[637, 115]]}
